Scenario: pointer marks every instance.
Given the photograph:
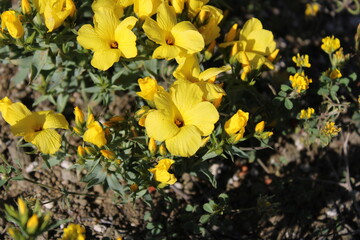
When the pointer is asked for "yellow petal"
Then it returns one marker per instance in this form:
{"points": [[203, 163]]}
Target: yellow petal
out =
{"points": [[166, 17], [263, 42], [105, 23], [48, 141], [160, 126], [104, 59], [211, 72], [188, 37], [55, 120], [186, 142], [250, 25], [95, 135], [204, 115], [125, 38], [89, 39], [15, 112], [188, 68], [153, 31], [185, 95], [166, 51]]}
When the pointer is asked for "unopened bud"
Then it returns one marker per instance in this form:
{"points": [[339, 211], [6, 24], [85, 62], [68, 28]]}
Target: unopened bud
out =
{"points": [[32, 224], [152, 146]]}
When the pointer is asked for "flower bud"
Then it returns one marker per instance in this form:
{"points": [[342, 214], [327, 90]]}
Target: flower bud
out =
{"points": [[32, 224], [81, 151], [12, 23], [108, 154], [162, 150], [25, 7], [152, 146], [79, 117], [134, 187]]}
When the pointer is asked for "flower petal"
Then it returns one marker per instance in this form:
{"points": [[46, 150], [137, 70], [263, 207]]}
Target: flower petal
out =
{"points": [[104, 59], [48, 141], [89, 39], [212, 72], [55, 120], [188, 37], [160, 126], [166, 17], [186, 142], [185, 95], [153, 31], [166, 51], [125, 38], [15, 112], [204, 115]]}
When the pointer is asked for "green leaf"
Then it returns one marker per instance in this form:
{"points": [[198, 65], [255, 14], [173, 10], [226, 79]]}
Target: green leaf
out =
{"points": [[288, 104], [208, 208], [21, 75], [344, 81], [209, 177], [282, 94], [204, 218], [323, 92], [291, 70], [353, 76], [61, 102], [2, 182], [114, 183], [285, 88]]}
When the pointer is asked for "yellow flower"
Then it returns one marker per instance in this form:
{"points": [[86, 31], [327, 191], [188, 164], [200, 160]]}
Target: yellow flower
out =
{"points": [[110, 39], [306, 113], [148, 88], [25, 7], [339, 57], [207, 23], [256, 46], [55, 11], [299, 81], [235, 126], [162, 150], [301, 60], [193, 6], [146, 8], [95, 134], [108, 154], [11, 22], [335, 73], [189, 69], [330, 44], [74, 232], [36, 127], [175, 39], [181, 118], [259, 131], [117, 6], [32, 224], [161, 173], [312, 9], [330, 129]]}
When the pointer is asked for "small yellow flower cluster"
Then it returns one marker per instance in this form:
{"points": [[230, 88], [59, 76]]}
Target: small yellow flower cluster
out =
{"points": [[330, 44], [306, 113], [335, 73], [312, 9], [32, 222], [235, 126], [301, 60], [330, 129], [253, 48], [300, 81], [259, 131], [161, 172], [74, 232], [37, 128]]}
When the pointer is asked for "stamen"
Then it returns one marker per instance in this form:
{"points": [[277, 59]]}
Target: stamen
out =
{"points": [[114, 45]]}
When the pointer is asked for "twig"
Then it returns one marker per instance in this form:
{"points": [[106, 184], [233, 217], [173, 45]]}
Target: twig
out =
{"points": [[266, 169], [346, 159], [181, 193]]}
